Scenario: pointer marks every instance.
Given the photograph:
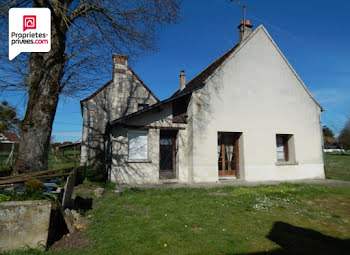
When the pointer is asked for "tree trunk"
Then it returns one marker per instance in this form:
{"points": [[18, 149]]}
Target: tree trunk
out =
{"points": [[45, 74], [44, 80], [37, 125]]}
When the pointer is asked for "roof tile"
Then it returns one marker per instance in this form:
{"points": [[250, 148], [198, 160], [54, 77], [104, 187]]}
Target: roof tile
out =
{"points": [[12, 137]]}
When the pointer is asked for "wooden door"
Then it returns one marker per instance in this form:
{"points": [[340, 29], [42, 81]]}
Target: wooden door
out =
{"points": [[167, 154], [228, 154]]}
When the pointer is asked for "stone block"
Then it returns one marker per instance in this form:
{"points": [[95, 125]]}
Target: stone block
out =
{"points": [[24, 224], [98, 192], [68, 189]]}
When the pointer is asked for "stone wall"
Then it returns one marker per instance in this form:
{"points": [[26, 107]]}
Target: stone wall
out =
{"points": [[124, 95], [24, 224]]}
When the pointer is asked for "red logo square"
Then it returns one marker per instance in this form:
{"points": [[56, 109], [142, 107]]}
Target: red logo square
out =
{"points": [[29, 22]]}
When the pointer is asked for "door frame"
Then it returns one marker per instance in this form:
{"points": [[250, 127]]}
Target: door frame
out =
{"points": [[169, 174], [236, 171]]}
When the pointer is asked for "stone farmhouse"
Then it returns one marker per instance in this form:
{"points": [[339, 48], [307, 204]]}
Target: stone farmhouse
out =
{"points": [[247, 116]]}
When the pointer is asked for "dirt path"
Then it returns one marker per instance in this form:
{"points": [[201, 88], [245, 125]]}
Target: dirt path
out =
{"points": [[71, 241]]}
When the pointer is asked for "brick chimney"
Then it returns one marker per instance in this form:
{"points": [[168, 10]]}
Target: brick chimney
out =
{"points": [[244, 30], [120, 63], [182, 80]]}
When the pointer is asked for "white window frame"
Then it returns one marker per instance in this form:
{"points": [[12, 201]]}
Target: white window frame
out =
{"points": [[288, 150], [145, 153]]}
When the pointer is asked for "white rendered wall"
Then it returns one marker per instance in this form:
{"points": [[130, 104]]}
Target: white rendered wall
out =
{"points": [[125, 171], [256, 93]]}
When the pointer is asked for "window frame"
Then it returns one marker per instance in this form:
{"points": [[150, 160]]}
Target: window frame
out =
{"points": [[288, 143], [136, 131]]}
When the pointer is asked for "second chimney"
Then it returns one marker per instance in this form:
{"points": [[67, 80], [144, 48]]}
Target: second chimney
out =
{"points": [[182, 80], [120, 63], [245, 29]]}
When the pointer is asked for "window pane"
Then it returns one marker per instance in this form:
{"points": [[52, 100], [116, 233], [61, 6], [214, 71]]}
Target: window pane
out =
{"points": [[137, 145], [280, 147], [166, 141], [280, 155]]}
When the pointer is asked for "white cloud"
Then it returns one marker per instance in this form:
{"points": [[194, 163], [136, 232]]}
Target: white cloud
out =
{"points": [[70, 134], [330, 96]]}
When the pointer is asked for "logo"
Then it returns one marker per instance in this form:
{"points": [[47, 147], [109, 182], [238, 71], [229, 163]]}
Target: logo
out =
{"points": [[29, 22], [29, 30]]}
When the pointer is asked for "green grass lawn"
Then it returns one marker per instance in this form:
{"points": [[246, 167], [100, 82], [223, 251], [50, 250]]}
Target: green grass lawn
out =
{"points": [[225, 220], [71, 158], [338, 166], [3, 161]]}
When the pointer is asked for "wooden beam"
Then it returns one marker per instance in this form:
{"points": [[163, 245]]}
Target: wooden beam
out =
{"points": [[25, 178], [153, 127], [36, 173]]}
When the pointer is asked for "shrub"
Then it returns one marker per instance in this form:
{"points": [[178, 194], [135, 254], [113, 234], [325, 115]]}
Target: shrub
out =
{"points": [[5, 171], [92, 174], [33, 185], [6, 195], [4, 198]]}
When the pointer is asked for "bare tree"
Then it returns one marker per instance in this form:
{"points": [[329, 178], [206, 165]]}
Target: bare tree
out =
{"points": [[84, 33], [9, 120], [344, 136]]}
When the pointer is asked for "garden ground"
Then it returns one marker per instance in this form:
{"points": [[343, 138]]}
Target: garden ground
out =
{"points": [[294, 218], [223, 220]]}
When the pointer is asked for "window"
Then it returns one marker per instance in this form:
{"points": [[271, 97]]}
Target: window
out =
{"points": [[141, 106], [180, 109], [137, 142], [284, 147]]}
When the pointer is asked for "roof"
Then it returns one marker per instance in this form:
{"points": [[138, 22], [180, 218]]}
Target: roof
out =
{"points": [[78, 142], [153, 106], [195, 84], [199, 81], [201, 77], [96, 92], [110, 82], [207, 72], [11, 137], [144, 85]]}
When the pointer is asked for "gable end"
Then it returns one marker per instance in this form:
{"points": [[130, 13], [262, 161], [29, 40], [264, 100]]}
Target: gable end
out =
{"points": [[111, 81]]}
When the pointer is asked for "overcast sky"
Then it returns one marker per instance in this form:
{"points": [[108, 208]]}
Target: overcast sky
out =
{"points": [[314, 35]]}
